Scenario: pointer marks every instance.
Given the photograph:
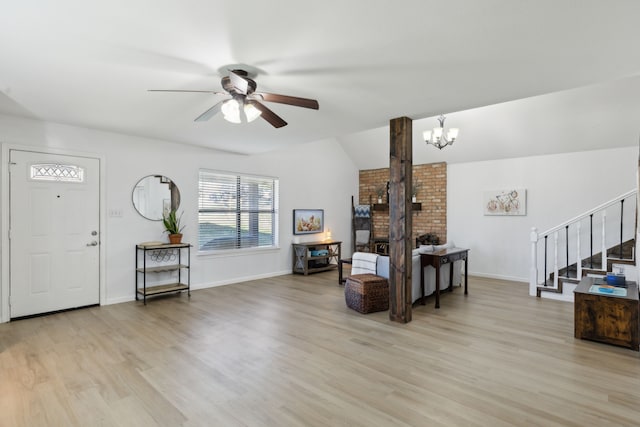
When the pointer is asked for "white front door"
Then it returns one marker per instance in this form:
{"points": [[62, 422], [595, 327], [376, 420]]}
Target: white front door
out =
{"points": [[54, 232]]}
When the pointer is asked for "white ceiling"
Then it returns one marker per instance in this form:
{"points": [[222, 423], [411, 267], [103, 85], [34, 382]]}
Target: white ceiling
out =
{"points": [[90, 63], [600, 116]]}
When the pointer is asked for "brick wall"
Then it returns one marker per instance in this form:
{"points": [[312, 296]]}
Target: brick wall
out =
{"points": [[431, 180]]}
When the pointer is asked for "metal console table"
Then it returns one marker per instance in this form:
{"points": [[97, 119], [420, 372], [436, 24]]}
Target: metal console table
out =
{"points": [[165, 258]]}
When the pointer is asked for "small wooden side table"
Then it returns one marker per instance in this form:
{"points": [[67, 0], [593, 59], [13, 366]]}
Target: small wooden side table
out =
{"points": [[606, 318], [306, 261]]}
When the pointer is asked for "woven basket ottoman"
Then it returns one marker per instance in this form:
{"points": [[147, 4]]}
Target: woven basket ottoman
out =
{"points": [[367, 293]]}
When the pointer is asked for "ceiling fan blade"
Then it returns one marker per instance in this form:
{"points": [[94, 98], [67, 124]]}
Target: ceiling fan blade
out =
{"points": [[275, 120], [209, 113], [290, 100], [239, 82], [180, 90]]}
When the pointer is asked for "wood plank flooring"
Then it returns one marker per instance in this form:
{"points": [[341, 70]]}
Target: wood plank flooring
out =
{"points": [[286, 351]]}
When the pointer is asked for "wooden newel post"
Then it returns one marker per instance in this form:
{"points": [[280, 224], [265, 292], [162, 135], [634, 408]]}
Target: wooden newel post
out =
{"points": [[533, 268], [400, 178]]}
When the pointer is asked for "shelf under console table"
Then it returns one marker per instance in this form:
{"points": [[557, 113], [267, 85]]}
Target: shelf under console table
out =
{"points": [[313, 257], [163, 258]]}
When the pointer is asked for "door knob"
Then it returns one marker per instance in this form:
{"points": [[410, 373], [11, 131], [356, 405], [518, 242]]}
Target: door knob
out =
{"points": [[94, 243]]}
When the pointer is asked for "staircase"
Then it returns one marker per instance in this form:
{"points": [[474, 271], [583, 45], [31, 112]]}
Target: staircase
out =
{"points": [[564, 254]]}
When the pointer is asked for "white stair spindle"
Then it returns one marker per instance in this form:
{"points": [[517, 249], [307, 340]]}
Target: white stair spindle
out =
{"points": [[578, 256], [533, 271], [555, 260], [604, 241]]}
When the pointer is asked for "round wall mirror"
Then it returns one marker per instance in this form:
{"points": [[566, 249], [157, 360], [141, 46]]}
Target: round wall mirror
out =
{"points": [[155, 196]]}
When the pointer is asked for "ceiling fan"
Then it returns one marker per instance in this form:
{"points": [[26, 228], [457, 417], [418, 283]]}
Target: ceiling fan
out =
{"points": [[244, 105]]}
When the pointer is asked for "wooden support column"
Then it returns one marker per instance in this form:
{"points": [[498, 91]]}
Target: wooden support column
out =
{"points": [[400, 178]]}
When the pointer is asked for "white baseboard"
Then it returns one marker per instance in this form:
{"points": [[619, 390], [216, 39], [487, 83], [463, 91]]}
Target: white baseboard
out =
{"points": [[239, 280], [199, 286], [118, 300], [557, 297], [499, 277]]}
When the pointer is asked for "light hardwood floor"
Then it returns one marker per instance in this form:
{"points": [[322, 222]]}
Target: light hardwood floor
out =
{"points": [[287, 352]]}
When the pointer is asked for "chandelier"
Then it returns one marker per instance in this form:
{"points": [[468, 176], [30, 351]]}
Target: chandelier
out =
{"points": [[437, 136]]}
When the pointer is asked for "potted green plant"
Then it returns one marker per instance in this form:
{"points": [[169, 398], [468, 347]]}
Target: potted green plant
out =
{"points": [[172, 226]]}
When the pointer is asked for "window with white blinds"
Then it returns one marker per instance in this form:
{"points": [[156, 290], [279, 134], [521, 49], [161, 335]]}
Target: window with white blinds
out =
{"points": [[237, 211]]}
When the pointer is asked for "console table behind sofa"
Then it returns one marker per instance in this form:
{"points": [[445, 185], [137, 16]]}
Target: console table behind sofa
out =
{"points": [[439, 258], [428, 272]]}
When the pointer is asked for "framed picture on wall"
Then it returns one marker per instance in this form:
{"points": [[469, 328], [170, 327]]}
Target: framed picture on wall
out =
{"points": [[308, 221], [505, 202]]}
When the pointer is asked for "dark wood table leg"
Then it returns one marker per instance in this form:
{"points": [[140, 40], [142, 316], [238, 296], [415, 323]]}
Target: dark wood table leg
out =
{"points": [[438, 285], [341, 262], [422, 299], [465, 274], [451, 276]]}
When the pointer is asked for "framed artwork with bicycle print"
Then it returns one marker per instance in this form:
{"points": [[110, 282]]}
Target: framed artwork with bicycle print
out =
{"points": [[505, 202]]}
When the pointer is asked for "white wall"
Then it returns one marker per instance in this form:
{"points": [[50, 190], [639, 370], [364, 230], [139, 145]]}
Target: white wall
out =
{"points": [[313, 175], [559, 187]]}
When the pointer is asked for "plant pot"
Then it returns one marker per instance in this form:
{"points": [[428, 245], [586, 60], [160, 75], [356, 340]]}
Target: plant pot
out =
{"points": [[175, 238], [413, 199], [379, 199]]}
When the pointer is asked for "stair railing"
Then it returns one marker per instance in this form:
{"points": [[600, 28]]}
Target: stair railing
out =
{"points": [[541, 239]]}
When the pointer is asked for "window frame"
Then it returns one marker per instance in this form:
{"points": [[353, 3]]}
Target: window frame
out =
{"points": [[240, 212]]}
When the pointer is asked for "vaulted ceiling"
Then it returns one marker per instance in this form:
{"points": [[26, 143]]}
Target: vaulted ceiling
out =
{"points": [[90, 64]]}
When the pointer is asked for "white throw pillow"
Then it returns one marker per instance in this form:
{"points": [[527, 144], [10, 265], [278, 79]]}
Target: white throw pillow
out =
{"points": [[423, 249], [447, 245]]}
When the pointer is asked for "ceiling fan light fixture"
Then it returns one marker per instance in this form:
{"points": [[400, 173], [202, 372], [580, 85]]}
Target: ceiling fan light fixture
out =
{"points": [[251, 112], [246, 105], [231, 110]]}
